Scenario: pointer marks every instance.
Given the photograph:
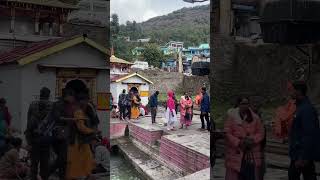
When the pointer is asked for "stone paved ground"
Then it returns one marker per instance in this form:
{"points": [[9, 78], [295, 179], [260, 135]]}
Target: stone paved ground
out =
{"points": [[271, 174], [192, 130]]}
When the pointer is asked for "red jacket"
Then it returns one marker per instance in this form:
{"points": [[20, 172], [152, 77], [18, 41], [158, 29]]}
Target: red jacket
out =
{"points": [[106, 143]]}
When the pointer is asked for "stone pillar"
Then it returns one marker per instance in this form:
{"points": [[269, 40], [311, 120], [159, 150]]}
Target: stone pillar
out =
{"points": [[13, 17], [41, 25], [36, 24], [61, 21], [50, 29], [180, 62], [225, 11]]}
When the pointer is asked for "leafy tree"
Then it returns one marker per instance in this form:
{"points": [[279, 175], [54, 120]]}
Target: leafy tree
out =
{"points": [[114, 24], [153, 55]]}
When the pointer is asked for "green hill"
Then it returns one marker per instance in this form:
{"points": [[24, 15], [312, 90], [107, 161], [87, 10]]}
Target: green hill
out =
{"points": [[189, 25]]}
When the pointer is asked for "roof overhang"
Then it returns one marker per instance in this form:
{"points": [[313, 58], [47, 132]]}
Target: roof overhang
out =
{"points": [[66, 66], [59, 47], [132, 75]]}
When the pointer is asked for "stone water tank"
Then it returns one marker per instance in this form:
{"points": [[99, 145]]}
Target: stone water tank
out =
{"points": [[291, 21]]}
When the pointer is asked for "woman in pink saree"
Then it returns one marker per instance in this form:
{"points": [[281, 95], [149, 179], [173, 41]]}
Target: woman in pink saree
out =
{"points": [[185, 111], [244, 134]]}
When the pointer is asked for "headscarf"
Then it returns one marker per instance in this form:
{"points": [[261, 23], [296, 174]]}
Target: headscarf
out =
{"points": [[170, 101]]}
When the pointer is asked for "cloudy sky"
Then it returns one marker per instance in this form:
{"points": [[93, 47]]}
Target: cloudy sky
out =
{"points": [[142, 10]]}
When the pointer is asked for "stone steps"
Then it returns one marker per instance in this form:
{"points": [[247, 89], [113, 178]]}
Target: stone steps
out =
{"points": [[147, 165]]}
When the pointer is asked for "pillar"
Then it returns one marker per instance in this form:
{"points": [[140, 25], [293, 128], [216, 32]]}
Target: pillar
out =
{"points": [[13, 14], [180, 62], [61, 21], [50, 28], [225, 11], [36, 24], [41, 25]]}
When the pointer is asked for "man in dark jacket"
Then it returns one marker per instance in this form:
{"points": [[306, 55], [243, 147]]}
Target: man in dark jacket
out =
{"points": [[304, 125], [122, 104], [128, 103], [205, 109], [62, 109], [40, 149], [154, 106]]}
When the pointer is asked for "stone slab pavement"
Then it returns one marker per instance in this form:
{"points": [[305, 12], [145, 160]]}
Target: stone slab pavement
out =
{"points": [[200, 175], [218, 172]]}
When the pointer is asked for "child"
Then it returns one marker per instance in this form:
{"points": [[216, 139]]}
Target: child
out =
{"points": [[10, 165], [114, 112]]}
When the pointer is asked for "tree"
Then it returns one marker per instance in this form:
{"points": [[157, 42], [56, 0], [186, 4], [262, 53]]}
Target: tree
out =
{"points": [[153, 55], [114, 24]]}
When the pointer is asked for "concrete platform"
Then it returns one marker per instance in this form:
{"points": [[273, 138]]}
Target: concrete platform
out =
{"points": [[117, 129], [189, 152]]}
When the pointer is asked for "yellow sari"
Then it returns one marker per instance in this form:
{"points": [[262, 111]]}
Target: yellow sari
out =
{"points": [[80, 159], [135, 111]]}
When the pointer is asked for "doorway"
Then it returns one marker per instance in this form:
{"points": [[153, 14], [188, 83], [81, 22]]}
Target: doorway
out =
{"points": [[134, 90], [77, 86]]}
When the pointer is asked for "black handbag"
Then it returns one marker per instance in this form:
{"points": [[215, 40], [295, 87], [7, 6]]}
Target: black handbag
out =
{"points": [[188, 116], [247, 171], [61, 132]]}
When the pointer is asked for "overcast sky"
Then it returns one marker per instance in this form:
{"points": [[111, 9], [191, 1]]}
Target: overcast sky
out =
{"points": [[142, 10]]}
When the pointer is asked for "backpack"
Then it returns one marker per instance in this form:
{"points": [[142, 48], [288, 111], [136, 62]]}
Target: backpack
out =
{"points": [[41, 131]]}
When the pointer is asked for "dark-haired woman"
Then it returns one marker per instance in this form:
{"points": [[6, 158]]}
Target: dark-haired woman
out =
{"points": [[80, 161], [244, 134]]}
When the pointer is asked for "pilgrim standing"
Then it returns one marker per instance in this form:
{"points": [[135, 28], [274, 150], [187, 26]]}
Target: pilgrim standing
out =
{"points": [[154, 106], [122, 104], [171, 115]]}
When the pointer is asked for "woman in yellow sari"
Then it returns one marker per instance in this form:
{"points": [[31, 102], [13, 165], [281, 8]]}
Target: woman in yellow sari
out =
{"points": [[80, 162], [135, 111]]}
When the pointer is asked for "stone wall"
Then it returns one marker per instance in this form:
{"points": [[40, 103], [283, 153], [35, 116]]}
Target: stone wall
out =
{"points": [[98, 34], [256, 69], [164, 81]]}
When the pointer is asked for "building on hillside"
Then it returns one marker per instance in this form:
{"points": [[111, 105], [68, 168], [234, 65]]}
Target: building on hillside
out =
{"points": [[175, 45], [131, 82], [127, 38], [119, 66], [23, 22], [172, 47], [146, 40], [165, 50], [141, 65], [76, 63], [137, 51], [203, 49], [170, 65]]}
